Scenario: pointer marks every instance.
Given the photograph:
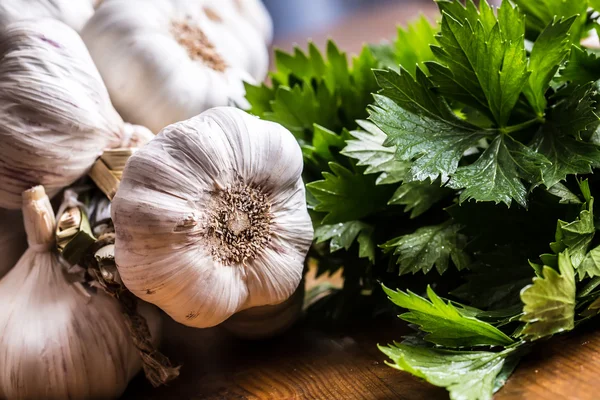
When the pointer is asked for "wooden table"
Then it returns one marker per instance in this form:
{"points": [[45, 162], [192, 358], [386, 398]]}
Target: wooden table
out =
{"points": [[309, 362]]}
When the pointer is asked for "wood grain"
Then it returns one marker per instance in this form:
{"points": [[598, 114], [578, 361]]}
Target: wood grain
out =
{"points": [[305, 363]]}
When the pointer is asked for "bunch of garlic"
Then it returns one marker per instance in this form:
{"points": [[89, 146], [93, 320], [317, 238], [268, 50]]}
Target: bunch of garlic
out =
{"points": [[164, 61], [12, 239], [56, 117], [74, 13], [211, 217], [58, 339]]}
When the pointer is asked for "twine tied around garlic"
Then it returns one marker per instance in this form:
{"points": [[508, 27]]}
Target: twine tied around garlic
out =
{"points": [[77, 243]]}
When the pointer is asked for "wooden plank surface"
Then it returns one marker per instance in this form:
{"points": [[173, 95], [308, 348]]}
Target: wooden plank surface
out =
{"points": [[310, 362]]}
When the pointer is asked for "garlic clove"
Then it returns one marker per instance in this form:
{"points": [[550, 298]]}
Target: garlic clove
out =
{"points": [[204, 227], [73, 13], [55, 113], [58, 339], [267, 321], [164, 61], [256, 13], [13, 242]]}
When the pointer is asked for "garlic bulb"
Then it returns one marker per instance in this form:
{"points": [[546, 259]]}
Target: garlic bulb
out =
{"points": [[74, 13], [55, 113], [211, 217], [267, 321], [12, 239], [256, 13], [164, 61], [58, 340]]}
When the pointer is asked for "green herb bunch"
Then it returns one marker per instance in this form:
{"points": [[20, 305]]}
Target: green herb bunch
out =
{"points": [[458, 158]]}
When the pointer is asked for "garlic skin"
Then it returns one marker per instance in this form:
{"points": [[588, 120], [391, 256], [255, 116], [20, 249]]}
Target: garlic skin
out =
{"points": [[164, 61], [74, 13], [55, 113], [59, 340], [13, 242], [267, 321], [211, 217]]}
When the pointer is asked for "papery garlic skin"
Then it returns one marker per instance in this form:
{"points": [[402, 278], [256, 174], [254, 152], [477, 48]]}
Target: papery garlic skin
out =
{"points": [[56, 117], [182, 242], [58, 340], [12, 239], [74, 13], [164, 61]]}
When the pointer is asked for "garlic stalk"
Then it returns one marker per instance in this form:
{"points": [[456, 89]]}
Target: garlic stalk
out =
{"points": [[56, 117], [12, 239], [164, 61], [267, 321], [211, 217], [58, 339], [74, 13]]}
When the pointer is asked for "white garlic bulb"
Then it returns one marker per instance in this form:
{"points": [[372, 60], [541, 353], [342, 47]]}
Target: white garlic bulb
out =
{"points": [[211, 217], [164, 61], [58, 340], [74, 13], [256, 13], [55, 113], [12, 239], [267, 321]]}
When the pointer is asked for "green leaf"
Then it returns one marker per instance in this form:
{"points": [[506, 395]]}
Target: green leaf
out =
{"points": [[260, 98], [322, 142], [308, 89], [429, 246], [497, 285], [343, 235], [583, 67], [549, 303], [467, 375], [367, 147], [540, 13], [421, 125], [559, 138], [564, 194], [300, 108], [590, 265], [418, 197], [346, 195], [483, 61], [549, 51], [577, 235], [496, 176], [411, 48], [445, 324], [567, 155]]}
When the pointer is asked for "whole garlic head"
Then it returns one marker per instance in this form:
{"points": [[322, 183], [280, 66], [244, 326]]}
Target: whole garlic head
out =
{"points": [[60, 341], [55, 113], [211, 217], [12, 239], [164, 61], [74, 13]]}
